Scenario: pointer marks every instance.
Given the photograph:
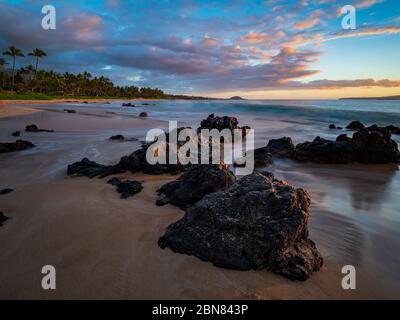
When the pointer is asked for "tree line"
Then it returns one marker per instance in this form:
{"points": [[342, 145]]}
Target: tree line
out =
{"points": [[32, 79]]}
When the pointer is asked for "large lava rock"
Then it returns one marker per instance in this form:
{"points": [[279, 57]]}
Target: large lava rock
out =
{"points": [[18, 145], [3, 218], [193, 185], [366, 146], [258, 223], [126, 188]]}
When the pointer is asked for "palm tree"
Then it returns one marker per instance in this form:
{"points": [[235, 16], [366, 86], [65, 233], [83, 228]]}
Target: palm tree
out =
{"points": [[37, 53], [13, 52]]}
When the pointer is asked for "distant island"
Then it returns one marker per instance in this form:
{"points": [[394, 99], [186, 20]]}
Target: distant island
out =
{"points": [[236, 98], [373, 98]]}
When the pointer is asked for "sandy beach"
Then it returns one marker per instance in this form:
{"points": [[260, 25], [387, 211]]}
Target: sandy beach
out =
{"points": [[104, 247]]}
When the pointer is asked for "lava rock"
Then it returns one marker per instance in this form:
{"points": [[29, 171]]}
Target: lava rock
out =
{"points": [[69, 111], [258, 223], [143, 115], [370, 147], [126, 188], [221, 123], [6, 191], [119, 137], [128, 105], [355, 125], [34, 128], [16, 134], [18, 145], [343, 138], [332, 126], [3, 218], [92, 169], [194, 184], [281, 147]]}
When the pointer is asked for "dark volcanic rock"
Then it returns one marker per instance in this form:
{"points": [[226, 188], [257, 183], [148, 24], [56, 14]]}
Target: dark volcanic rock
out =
{"points": [[91, 169], [143, 115], [16, 134], [6, 191], [128, 105], [118, 137], [355, 125], [343, 138], [220, 123], [34, 128], [18, 145], [262, 157], [332, 126], [3, 218], [194, 184], [258, 223], [281, 147], [126, 188], [69, 111], [366, 146], [137, 162]]}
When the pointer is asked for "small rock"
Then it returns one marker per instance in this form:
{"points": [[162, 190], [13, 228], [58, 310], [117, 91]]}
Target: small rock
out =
{"points": [[16, 134], [355, 125], [118, 137], [6, 191], [91, 169], [126, 188], [332, 126], [143, 115], [34, 128], [128, 105], [18, 145], [69, 111], [3, 218]]}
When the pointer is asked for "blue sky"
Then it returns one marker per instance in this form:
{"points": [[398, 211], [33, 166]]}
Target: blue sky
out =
{"points": [[270, 48]]}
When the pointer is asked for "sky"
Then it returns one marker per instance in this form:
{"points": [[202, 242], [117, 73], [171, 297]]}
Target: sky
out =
{"points": [[270, 49]]}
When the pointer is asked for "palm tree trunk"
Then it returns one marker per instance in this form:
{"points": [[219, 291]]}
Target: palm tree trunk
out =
{"points": [[37, 63], [13, 73]]}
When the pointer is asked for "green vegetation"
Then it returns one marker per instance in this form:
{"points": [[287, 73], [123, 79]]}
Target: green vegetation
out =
{"points": [[33, 83]]}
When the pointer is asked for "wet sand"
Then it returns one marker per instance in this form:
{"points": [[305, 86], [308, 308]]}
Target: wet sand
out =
{"points": [[104, 247]]}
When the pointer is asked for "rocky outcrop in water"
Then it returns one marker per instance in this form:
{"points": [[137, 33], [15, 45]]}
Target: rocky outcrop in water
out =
{"points": [[194, 184], [16, 134], [128, 105], [143, 115], [370, 147], [126, 188], [355, 125], [18, 145], [34, 128], [258, 223]]}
